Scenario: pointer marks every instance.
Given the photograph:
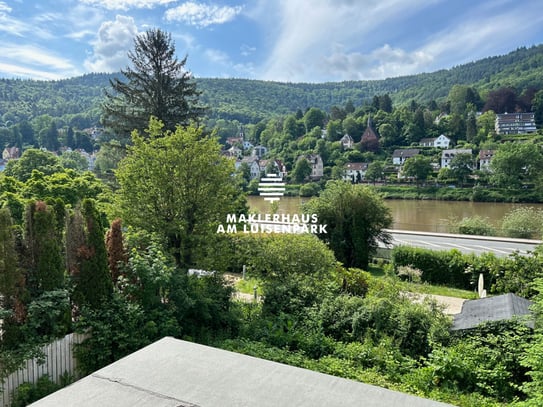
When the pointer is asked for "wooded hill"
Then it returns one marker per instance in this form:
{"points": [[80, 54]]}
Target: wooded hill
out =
{"points": [[77, 100]]}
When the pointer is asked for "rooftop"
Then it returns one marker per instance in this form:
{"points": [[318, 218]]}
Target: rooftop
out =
{"points": [[175, 373], [498, 308]]}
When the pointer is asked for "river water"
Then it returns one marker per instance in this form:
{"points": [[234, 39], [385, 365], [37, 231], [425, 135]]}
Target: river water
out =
{"points": [[426, 216]]}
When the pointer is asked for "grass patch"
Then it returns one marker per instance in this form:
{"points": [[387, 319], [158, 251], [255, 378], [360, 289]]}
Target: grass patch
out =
{"points": [[424, 288], [247, 286]]}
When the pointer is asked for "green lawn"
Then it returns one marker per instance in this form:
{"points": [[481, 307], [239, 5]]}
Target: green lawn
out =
{"points": [[424, 288], [247, 286]]}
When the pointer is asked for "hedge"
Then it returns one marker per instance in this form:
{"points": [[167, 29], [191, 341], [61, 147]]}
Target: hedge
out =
{"points": [[438, 267]]}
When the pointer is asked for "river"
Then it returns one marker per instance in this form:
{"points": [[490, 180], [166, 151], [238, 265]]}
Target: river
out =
{"points": [[426, 216]]}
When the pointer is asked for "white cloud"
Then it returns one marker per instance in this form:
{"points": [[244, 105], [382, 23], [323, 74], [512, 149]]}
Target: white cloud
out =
{"points": [[385, 38], [33, 55], [217, 57], [380, 63], [18, 71], [4, 7], [32, 61], [223, 63], [484, 32], [303, 33], [247, 50], [202, 15], [115, 39], [127, 4]]}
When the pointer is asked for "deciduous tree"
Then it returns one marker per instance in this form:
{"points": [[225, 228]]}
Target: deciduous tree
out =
{"points": [[417, 167], [177, 185], [355, 217], [516, 163]]}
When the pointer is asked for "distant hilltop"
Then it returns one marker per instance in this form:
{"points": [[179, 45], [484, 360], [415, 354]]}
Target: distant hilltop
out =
{"points": [[249, 101]]}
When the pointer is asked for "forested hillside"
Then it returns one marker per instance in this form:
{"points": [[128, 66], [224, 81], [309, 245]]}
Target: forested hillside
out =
{"points": [[76, 101]]}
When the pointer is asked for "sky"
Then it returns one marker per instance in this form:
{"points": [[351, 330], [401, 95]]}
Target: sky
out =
{"points": [[279, 40]]}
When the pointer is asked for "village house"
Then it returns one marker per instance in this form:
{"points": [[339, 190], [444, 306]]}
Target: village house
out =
{"points": [[254, 166], [515, 123], [448, 155], [347, 142], [355, 172], [259, 151], [278, 167], [316, 164], [485, 157], [232, 152], [438, 142], [399, 156], [232, 141], [11, 153]]}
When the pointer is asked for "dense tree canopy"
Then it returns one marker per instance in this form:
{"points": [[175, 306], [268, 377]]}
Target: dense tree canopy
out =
{"points": [[355, 217], [177, 185], [417, 167], [516, 163]]}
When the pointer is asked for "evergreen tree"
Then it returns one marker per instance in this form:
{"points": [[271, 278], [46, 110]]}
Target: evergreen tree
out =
{"points": [[50, 139], [93, 282], [43, 249], [10, 274], [157, 85], [27, 133], [70, 139], [115, 249]]}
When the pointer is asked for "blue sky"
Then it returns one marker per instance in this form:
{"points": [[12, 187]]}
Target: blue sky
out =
{"points": [[282, 40]]}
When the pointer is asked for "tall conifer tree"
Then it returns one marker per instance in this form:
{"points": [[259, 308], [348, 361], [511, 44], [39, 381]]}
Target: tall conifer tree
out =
{"points": [[43, 249], [92, 280], [157, 85]]}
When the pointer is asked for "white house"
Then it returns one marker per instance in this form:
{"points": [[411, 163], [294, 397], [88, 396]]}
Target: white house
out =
{"points": [[316, 164], [247, 145], [515, 123], [438, 142], [448, 155], [401, 155], [10, 153], [259, 151], [485, 157], [355, 172], [347, 142], [253, 164]]}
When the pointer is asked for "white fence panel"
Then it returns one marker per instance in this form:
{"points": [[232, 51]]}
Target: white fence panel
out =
{"points": [[59, 359]]}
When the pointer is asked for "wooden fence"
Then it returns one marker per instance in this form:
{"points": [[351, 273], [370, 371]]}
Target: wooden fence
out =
{"points": [[59, 359]]}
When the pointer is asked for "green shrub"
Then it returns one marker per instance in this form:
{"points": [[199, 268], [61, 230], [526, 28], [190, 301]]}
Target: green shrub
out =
{"points": [[438, 267], [523, 223], [310, 189], [27, 393], [475, 225]]}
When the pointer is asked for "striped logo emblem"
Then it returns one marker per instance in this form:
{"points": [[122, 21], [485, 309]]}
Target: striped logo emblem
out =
{"points": [[271, 187]]}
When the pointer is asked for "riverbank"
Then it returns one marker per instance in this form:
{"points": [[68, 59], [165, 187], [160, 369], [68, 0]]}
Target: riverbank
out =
{"points": [[453, 193], [433, 192]]}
